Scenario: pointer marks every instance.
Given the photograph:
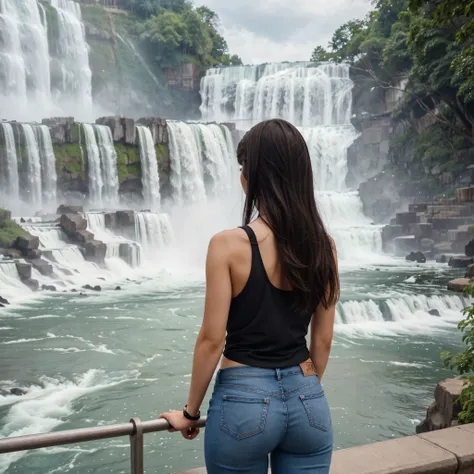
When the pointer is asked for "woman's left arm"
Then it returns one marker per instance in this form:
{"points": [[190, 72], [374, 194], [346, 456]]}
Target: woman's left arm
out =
{"points": [[211, 338]]}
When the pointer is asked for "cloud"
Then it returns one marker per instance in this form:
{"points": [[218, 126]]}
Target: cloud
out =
{"points": [[282, 30]]}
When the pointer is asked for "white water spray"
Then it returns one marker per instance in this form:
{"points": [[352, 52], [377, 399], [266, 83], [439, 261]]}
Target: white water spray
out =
{"points": [[150, 176]]}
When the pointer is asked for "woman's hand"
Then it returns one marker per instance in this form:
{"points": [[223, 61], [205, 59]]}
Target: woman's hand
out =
{"points": [[179, 423]]}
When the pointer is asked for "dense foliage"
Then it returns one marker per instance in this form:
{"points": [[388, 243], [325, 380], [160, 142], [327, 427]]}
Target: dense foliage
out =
{"points": [[176, 31], [463, 363], [423, 50], [9, 230]]}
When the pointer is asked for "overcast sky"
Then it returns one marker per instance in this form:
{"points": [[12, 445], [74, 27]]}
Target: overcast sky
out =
{"points": [[282, 30]]}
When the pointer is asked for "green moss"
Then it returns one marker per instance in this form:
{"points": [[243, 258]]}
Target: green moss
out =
{"points": [[128, 162], [96, 16], [162, 153], [471, 228], [69, 159], [9, 230]]}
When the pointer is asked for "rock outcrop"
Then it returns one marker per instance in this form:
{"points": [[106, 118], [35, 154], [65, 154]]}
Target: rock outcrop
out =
{"points": [[443, 412], [95, 251], [459, 285]]}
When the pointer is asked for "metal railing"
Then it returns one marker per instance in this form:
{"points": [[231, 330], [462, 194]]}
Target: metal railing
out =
{"points": [[135, 429]]}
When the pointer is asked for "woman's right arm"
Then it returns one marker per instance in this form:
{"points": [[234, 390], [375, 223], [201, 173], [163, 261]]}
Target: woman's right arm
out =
{"points": [[322, 330]]}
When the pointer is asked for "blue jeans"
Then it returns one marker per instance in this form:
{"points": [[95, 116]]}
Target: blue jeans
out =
{"points": [[256, 412]]}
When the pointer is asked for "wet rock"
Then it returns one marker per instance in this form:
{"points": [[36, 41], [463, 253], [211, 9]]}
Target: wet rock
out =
{"points": [[470, 272], [22, 221], [418, 257], [95, 251], [72, 223], [125, 219], [73, 290], [434, 312], [42, 266], [116, 126], [33, 285], [48, 288], [2, 305], [423, 231], [67, 209], [97, 288], [24, 270], [4, 301], [27, 242], [406, 218], [441, 259], [461, 261], [87, 287], [18, 392], [12, 253], [118, 288], [60, 129], [459, 285], [110, 220], [469, 249], [130, 131], [83, 236], [32, 253]]}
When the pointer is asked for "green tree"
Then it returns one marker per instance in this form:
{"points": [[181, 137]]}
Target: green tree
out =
{"points": [[321, 55], [463, 362]]}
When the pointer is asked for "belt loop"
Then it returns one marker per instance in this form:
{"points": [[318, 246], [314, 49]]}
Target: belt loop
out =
{"points": [[278, 374]]}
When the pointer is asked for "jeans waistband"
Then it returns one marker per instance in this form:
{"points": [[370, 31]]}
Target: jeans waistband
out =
{"points": [[233, 373]]}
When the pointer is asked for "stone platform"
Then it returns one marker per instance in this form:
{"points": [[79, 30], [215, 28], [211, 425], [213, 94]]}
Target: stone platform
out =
{"points": [[448, 451]]}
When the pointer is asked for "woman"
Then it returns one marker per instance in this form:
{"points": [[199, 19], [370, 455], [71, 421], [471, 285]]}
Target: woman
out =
{"points": [[265, 283]]}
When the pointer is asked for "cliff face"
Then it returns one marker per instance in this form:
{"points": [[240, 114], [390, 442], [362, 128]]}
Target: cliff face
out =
{"points": [[126, 80]]}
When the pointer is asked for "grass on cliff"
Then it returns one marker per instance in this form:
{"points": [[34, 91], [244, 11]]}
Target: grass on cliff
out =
{"points": [[9, 230]]}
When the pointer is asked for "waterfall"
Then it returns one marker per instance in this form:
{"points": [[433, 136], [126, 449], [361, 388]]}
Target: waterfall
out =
{"points": [[102, 165], [201, 160], [9, 180], [71, 62], [48, 165], [153, 231], [34, 184], [318, 100], [150, 176], [302, 93]]}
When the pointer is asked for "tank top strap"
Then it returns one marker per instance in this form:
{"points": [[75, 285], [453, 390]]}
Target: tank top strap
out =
{"points": [[257, 262]]}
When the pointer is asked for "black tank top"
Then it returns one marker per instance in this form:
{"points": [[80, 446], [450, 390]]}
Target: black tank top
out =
{"points": [[264, 330]]}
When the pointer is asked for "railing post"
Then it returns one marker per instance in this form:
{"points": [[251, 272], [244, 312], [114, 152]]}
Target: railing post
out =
{"points": [[136, 446]]}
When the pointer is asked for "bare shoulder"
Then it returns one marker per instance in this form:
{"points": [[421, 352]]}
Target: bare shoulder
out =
{"points": [[227, 242]]}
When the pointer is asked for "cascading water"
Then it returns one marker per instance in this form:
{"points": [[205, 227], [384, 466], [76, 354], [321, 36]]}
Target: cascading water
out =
{"points": [[318, 100], [9, 180], [153, 231], [150, 176], [24, 56], [102, 160], [48, 165], [70, 62], [34, 184], [201, 161]]}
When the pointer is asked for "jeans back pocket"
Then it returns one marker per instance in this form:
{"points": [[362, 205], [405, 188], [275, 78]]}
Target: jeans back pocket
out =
{"points": [[243, 417], [317, 410]]}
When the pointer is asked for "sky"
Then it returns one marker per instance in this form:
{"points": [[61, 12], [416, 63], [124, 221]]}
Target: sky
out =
{"points": [[282, 30]]}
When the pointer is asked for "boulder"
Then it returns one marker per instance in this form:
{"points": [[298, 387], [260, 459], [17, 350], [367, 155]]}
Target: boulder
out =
{"points": [[469, 249], [461, 261], [4, 301], [406, 218], [118, 288], [95, 251], [418, 257], [33, 253], [459, 285], [61, 129], [443, 412], [33, 285], [27, 242], [24, 270], [67, 209], [116, 126], [18, 392], [469, 272], [441, 258], [12, 253], [42, 266], [72, 223], [92, 288], [48, 287], [434, 312], [423, 231], [110, 220], [125, 219], [84, 236]]}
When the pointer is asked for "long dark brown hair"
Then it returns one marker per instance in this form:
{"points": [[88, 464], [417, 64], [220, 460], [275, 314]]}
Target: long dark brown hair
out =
{"points": [[276, 164]]}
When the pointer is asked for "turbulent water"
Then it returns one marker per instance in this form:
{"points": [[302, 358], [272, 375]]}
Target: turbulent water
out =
{"points": [[87, 358]]}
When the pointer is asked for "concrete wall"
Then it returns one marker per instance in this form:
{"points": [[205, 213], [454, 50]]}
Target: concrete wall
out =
{"points": [[448, 451]]}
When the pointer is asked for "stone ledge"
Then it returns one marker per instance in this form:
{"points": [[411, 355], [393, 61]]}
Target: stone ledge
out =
{"points": [[449, 451]]}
